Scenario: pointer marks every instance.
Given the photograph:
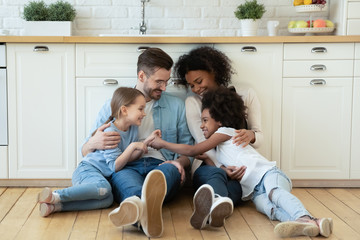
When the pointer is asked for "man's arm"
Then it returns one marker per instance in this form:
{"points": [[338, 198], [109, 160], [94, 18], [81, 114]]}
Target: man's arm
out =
{"points": [[100, 140]]}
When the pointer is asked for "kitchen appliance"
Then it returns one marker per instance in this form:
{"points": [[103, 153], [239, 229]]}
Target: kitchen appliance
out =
{"points": [[3, 98]]}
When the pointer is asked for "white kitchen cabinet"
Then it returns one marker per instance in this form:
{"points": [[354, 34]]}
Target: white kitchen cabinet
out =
{"points": [[355, 130], [259, 66], [316, 111], [41, 84], [346, 15], [4, 162]]}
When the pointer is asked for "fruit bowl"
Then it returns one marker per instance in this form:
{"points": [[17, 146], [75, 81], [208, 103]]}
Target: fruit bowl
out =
{"points": [[310, 8], [311, 30]]}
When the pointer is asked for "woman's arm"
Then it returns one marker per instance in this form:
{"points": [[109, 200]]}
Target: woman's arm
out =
{"points": [[191, 150]]}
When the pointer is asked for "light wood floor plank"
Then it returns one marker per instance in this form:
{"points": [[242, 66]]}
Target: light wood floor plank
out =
{"points": [[345, 196], [8, 199], [86, 225], [237, 227], [321, 203], [107, 230], [60, 226], [2, 190]]}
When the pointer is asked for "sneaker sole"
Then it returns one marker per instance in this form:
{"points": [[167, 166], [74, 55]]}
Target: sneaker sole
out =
{"points": [[293, 229], [126, 214], [153, 193], [325, 227], [45, 195], [220, 213], [203, 200]]}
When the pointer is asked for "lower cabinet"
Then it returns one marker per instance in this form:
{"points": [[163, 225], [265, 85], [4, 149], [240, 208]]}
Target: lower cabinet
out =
{"points": [[91, 94], [316, 128], [41, 110], [4, 162]]}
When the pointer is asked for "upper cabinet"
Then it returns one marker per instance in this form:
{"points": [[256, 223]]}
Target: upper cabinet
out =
{"points": [[259, 66], [316, 110], [346, 15], [41, 91]]}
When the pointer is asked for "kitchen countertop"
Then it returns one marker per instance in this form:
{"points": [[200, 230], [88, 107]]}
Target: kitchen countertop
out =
{"points": [[142, 39]]}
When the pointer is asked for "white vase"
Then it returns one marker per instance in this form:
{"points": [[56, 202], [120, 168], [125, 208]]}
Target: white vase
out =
{"points": [[249, 27], [47, 28]]}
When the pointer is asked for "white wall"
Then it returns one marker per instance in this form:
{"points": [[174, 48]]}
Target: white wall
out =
{"points": [[180, 17]]}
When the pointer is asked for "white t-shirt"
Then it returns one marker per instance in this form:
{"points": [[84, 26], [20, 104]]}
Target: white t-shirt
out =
{"points": [[146, 128], [228, 154]]}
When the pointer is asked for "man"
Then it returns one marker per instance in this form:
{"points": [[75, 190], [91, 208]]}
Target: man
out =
{"points": [[142, 185]]}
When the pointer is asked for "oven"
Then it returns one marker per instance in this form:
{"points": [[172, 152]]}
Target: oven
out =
{"points": [[3, 98]]}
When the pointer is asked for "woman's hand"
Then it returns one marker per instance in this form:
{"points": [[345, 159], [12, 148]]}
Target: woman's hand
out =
{"points": [[235, 173], [244, 136], [179, 167], [156, 142]]}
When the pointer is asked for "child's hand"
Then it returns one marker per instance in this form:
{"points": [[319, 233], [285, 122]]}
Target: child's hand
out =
{"points": [[140, 146], [156, 143], [156, 133], [235, 173]]}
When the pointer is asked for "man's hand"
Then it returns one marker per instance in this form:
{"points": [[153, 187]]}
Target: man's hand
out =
{"points": [[235, 173], [101, 140], [244, 136]]}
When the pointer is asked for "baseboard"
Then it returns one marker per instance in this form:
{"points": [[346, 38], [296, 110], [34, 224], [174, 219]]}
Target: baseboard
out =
{"points": [[35, 182], [326, 183]]}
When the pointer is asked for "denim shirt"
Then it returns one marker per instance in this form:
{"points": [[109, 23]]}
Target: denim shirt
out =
{"points": [[169, 117]]}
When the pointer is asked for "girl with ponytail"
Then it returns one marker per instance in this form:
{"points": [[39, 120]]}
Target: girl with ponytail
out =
{"points": [[91, 189]]}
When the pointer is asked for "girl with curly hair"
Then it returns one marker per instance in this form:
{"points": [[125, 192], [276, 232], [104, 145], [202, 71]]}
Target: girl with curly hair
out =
{"points": [[268, 187]]}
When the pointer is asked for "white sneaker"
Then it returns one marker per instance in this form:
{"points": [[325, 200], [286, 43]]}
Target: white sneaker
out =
{"points": [[203, 200], [46, 209], [153, 195], [296, 228], [221, 209], [129, 212], [45, 196]]}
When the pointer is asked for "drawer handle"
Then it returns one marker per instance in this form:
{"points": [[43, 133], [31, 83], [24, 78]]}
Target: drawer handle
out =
{"points": [[110, 82], [248, 49], [142, 49], [41, 49], [318, 67], [317, 82], [319, 50]]}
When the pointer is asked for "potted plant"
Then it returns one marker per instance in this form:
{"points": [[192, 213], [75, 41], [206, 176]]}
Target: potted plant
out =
{"points": [[249, 14], [48, 20]]}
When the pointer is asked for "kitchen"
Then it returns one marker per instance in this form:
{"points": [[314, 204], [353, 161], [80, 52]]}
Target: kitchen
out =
{"points": [[216, 27]]}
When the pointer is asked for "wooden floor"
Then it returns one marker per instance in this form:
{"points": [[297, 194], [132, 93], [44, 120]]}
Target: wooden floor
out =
{"points": [[19, 218]]}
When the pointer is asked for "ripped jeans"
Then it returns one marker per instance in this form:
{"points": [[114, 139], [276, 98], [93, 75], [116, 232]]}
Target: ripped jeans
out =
{"points": [[283, 206], [90, 190]]}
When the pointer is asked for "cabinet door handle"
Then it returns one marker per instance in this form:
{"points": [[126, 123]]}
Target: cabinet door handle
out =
{"points": [[110, 82], [248, 49], [318, 67], [41, 49], [142, 48], [318, 50], [317, 82]]}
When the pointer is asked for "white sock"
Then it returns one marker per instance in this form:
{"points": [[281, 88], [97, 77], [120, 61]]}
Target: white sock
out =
{"points": [[55, 198]]}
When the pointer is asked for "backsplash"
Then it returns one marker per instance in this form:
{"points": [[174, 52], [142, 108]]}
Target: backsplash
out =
{"points": [[173, 17]]}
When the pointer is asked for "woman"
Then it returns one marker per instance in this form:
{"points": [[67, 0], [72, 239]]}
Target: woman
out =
{"points": [[203, 69]]}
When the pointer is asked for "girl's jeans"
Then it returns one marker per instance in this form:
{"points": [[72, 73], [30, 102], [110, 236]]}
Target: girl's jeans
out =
{"points": [[284, 206], [129, 181], [218, 180], [90, 190]]}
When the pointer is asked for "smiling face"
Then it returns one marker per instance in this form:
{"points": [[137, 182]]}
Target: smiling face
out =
{"points": [[135, 112], [201, 81], [208, 124], [153, 85]]}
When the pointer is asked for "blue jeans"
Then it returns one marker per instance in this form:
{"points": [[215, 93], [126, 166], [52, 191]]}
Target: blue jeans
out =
{"points": [[217, 178], [90, 190], [129, 181], [283, 206]]}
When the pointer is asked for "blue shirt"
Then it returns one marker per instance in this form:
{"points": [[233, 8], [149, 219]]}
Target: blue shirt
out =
{"points": [[169, 117], [104, 160]]}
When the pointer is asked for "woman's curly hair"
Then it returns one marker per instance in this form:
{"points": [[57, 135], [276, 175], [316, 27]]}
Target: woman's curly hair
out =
{"points": [[207, 59], [225, 106]]}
